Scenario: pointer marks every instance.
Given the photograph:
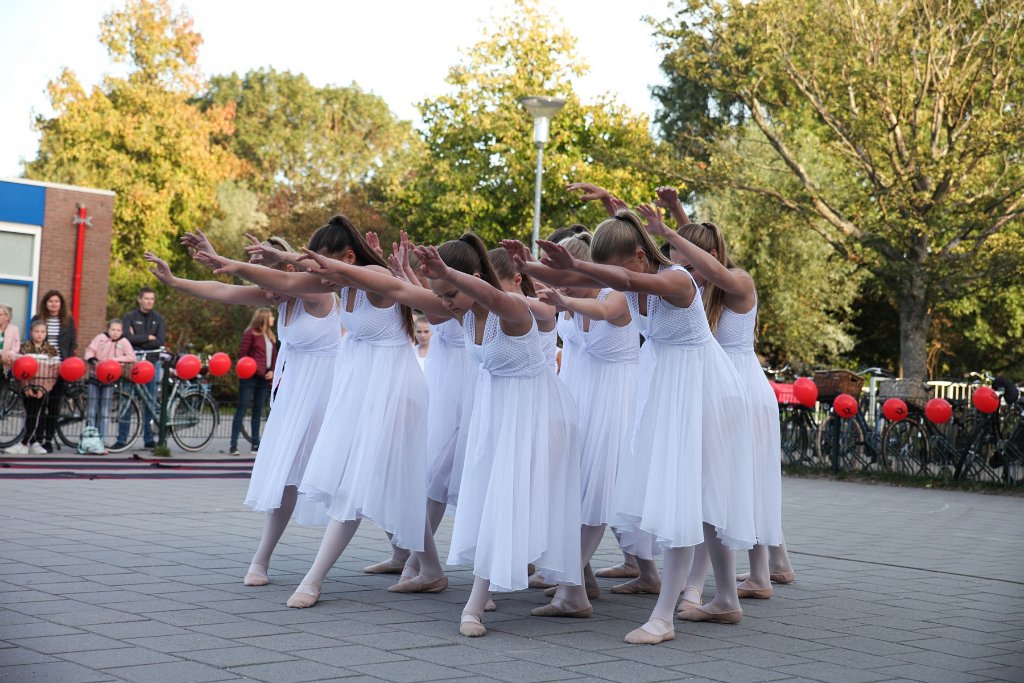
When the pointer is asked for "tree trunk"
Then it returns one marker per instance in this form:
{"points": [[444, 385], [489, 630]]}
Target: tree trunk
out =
{"points": [[914, 325]]}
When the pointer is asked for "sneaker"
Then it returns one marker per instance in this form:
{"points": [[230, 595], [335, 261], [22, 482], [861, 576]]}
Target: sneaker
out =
{"points": [[47, 446], [37, 448], [234, 451], [150, 444], [119, 446], [254, 451], [17, 449]]}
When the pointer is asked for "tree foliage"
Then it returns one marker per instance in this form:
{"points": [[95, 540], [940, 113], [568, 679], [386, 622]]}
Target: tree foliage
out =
{"points": [[476, 171], [139, 136], [917, 104]]}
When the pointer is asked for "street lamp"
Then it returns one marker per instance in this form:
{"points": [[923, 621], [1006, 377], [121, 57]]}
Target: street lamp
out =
{"points": [[541, 109]]}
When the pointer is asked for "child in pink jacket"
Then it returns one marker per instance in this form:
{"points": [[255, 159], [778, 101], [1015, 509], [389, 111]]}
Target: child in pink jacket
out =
{"points": [[105, 346]]}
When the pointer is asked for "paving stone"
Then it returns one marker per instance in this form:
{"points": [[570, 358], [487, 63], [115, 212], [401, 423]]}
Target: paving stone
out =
{"points": [[49, 672], [236, 656], [124, 656], [292, 672], [831, 673], [928, 674], [173, 672], [353, 655], [71, 643], [625, 672]]}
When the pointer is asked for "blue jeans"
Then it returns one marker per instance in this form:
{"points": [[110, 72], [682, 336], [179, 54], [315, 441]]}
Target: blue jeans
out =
{"points": [[252, 391], [99, 406], [147, 416]]}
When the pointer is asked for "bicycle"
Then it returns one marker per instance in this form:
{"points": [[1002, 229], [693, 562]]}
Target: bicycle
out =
{"points": [[74, 410], [844, 443], [12, 411], [263, 420]]}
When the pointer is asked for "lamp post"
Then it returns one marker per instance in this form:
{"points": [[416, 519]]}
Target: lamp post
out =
{"points": [[541, 109]]}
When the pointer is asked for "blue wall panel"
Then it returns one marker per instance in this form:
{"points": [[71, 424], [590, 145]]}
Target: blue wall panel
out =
{"points": [[22, 203]]}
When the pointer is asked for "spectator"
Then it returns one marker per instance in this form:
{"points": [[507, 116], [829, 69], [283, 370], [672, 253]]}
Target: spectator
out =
{"points": [[10, 337], [422, 334], [61, 335], [259, 343], [34, 392], [105, 346], [146, 331]]}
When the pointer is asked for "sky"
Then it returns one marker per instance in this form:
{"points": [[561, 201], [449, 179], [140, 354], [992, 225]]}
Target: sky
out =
{"points": [[400, 50]]}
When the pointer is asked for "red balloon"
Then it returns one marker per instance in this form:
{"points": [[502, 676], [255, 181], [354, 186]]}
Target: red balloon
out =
{"points": [[775, 389], [246, 367], [805, 391], [25, 368], [143, 372], [845, 405], [985, 400], [188, 366], [938, 410], [219, 364], [72, 369], [895, 409], [109, 371]]}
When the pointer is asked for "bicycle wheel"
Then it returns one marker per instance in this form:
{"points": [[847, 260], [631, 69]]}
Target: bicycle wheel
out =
{"points": [[12, 415], [123, 409], [905, 447], [847, 433], [797, 444], [193, 419], [977, 463], [71, 419], [263, 421]]}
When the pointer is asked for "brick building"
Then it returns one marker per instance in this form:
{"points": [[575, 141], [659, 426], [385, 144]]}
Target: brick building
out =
{"points": [[38, 249]]}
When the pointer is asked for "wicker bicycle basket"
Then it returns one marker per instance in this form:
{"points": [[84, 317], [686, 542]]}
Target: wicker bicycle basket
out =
{"points": [[831, 383], [911, 391]]}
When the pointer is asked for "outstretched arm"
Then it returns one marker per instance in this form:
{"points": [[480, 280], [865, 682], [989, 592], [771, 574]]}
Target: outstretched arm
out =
{"points": [[211, 290], [301, 285], [511, 308], [735, 282], [613, 308], [524, 262], [591, 192], [376, 280], [672, 285]]}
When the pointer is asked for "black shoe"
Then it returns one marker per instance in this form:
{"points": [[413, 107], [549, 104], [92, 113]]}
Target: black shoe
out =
{"points": [[233, 451], [150, 444], [119, 446], [48, 446]]}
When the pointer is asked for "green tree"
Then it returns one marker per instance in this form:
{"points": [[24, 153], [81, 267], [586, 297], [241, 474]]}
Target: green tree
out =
{"points": [[477, 169], [309, 150], [918, 105], [139, 136]]}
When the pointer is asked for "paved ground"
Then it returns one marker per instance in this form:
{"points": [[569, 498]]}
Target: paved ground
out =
{"points": [[141, 581]]}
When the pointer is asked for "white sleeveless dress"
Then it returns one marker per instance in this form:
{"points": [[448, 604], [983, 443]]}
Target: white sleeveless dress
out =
{"points": [[566, 329], [369, 458], [735, 334], [603, 384], [302, 374], [519, 500], [451, 380], [549, 343], [692, 452]]}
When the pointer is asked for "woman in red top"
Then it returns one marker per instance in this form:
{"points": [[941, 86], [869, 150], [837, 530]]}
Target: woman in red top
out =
{"points": [[259, 343]]}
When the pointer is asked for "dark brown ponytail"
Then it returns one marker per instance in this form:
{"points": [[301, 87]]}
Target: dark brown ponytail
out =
{"points": [[469, 255]]}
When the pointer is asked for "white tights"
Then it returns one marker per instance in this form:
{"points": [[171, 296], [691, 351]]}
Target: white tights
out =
{"points": [[274, 526]]}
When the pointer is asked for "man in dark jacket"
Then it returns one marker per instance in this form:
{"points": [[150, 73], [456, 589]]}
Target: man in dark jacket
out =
{"points": [[147, 331]]}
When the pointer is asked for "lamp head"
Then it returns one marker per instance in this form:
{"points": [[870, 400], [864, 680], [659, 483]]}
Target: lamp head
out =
{"points": [[541, 109]]}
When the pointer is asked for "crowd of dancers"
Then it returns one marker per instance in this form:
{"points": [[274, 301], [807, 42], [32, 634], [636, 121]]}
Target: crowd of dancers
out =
{"points": [[659, 422]]}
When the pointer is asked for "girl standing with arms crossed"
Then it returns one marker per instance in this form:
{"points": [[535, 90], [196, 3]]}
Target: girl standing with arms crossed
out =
{"points": [[689, 476], [519, 496]]}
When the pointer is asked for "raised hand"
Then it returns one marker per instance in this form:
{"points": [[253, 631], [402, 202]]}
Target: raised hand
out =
{"points": [[615, 205], [159, 268], [315, 263], [395, 266], [556, 256], [516, 251], [653, 221], [431, 264], [550, 296], [216, 262], [589, 191], [197, 241], [373, 240], [668, 197]]}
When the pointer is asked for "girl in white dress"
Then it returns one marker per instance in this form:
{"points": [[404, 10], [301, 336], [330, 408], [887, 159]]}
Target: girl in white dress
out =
{"points": [[603, 384], [310, 332], [519, 495], [546, 316], [689, 475], [731, 305], [368, 461]]}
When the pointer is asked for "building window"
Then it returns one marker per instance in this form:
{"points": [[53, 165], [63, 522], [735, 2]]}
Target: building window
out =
{"points": [[19, 269]]}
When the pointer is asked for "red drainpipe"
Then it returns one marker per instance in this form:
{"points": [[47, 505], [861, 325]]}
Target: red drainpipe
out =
{"points": [[82, 220]]}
